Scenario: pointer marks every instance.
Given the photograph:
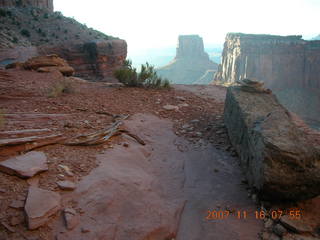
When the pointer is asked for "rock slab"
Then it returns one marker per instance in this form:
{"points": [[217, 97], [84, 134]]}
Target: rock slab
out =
{"points": [[40, 205], [26, 165], [276, 156]]}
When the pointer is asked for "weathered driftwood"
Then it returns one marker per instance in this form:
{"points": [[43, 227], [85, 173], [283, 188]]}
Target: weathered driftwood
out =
{"points": [[12, 146], [24, 133], [102, 136]]}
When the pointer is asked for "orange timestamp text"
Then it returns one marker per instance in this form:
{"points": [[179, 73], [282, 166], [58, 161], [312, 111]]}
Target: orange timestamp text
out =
{"points": [[259, 214]]}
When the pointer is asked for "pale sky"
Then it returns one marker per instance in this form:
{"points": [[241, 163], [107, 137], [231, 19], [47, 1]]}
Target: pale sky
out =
{"points": [[155, 24]]}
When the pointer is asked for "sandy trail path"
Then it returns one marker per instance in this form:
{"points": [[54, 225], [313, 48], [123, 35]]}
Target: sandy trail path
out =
{"points": [[162, 190]]}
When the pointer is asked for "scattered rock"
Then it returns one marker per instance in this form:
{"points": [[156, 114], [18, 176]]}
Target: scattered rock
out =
{"points": [[40, 205], [126, 145], [279, 230], [278, 158], [195, 121], [26, 165], [71, 218], [66, 185], [17, 204], [170, 107], [67, 170], [183, 105], [295, 225], [181, 98], [85, 230]]}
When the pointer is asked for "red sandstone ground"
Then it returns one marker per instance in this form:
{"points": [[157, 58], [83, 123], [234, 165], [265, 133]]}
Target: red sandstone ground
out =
{"points": [[208, 183]]}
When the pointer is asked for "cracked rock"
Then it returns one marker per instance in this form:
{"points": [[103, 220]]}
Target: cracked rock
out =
{"points": [[26, 165], [40, 205]]}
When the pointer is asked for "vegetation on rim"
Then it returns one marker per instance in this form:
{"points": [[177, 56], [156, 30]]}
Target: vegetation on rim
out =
{"points": [[147, 77]]}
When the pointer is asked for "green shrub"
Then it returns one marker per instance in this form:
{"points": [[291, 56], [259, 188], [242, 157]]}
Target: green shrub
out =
{"points": [[63, 86], [147, 77], [25, 32]]}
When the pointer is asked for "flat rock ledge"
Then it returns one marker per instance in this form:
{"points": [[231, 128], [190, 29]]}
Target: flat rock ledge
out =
{"points": [[278, 158], [26, 165], [40, 205]]}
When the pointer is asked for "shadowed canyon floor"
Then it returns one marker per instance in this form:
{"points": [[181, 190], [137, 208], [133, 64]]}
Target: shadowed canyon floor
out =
{"points": [[122, 189]]}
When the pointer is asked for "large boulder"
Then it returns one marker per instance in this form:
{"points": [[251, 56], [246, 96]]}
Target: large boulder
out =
{"points": [[279, 159]]}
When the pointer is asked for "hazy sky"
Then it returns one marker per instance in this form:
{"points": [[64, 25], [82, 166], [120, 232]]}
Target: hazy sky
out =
{"points": [[153, 24]]}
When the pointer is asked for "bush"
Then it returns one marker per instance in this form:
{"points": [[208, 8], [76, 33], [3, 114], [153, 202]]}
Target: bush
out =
{"points": [[147, 77], [25, 32], [59, 88]]}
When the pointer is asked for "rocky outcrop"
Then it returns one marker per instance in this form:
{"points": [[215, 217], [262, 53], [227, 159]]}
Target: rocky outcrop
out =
{"points": [[43, 4], [48, 63], [191, 62], [30, 32], [95, 60], [288, 65], [278, 158]]}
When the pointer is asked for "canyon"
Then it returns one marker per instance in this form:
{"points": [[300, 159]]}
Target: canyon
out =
{"points": [[191, 63], [288, 65]]}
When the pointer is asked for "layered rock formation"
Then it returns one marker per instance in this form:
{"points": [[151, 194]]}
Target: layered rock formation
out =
{"points": [[94, 60], [43, 4], [282, 63], [30, 32], [278, 158], [191, 62]]}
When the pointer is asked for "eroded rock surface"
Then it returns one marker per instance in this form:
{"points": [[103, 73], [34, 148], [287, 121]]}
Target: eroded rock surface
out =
{"points": [[191, 63], [26, 165], [278, 158], [286, 64], [40, 205]]}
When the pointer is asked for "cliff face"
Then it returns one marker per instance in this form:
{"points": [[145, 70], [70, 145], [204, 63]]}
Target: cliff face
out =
{"points": [[29, 32], [288, 65], [277, 61], [191, 62], [94, 60], [44, 4]]}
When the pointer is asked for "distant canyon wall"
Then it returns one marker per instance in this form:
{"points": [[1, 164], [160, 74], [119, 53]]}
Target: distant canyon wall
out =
{"points": [[278, 61], [191, 63], [44, 4], [289, 65]]}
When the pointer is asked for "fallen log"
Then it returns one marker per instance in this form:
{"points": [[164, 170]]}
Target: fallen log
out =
{"points": [[10, 147], [102, 136]]}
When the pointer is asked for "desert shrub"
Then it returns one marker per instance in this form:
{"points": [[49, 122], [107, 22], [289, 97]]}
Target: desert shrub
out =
{"points": [[147, 77], [25, 32], [15, 40], [3, 13], [58, 88]]}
